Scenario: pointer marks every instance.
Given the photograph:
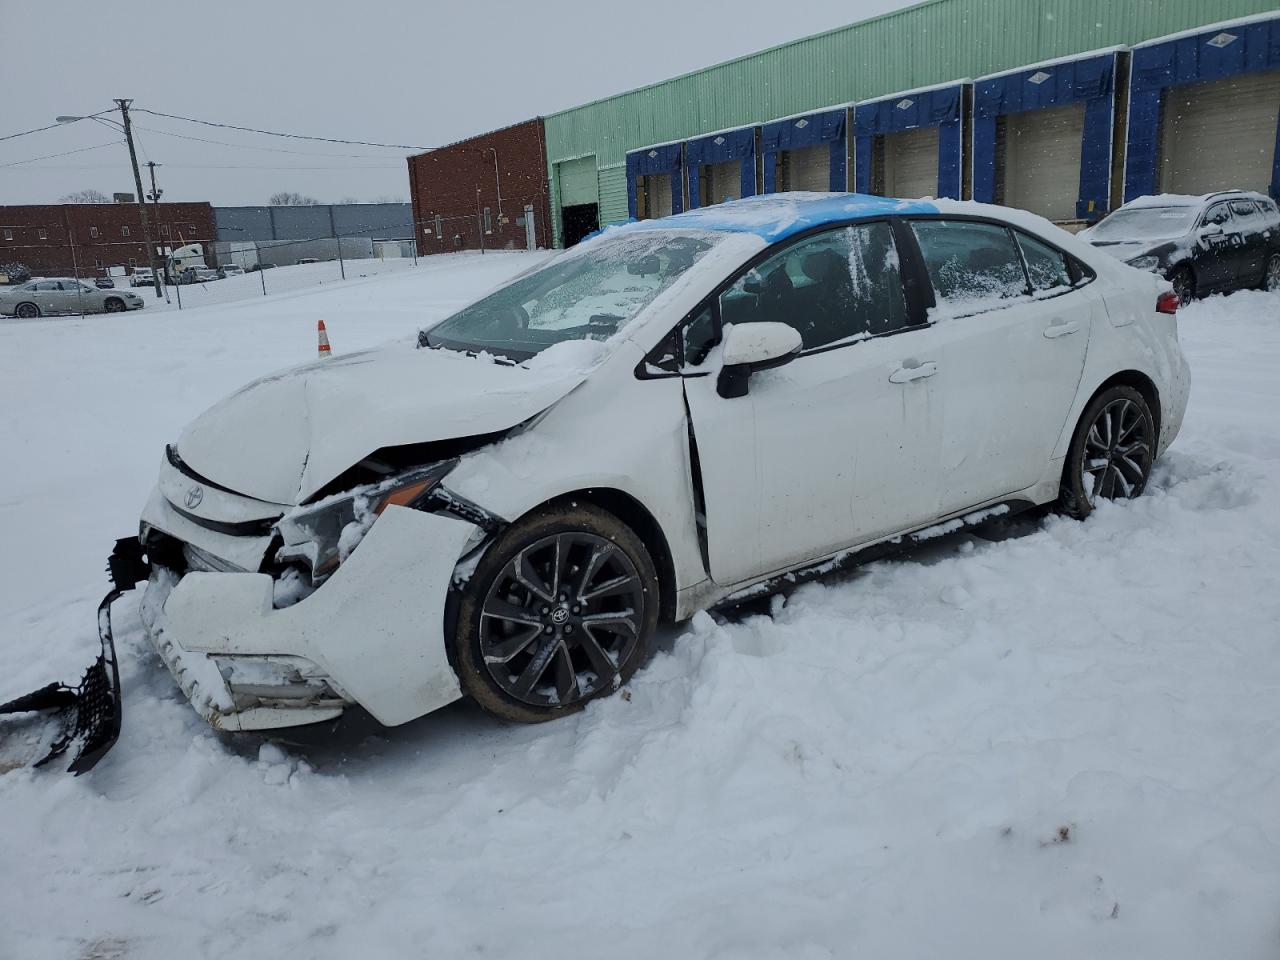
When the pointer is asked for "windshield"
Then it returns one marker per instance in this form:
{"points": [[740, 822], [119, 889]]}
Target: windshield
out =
{"points": [[584, 295], [1146, 223]]}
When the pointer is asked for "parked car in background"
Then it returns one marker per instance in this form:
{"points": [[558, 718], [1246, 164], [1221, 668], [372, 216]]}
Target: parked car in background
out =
{"points": [[471, 521], [104, 282], [141, 277], [229, 270], [308, 260], [1210, 244], [64, 295]]}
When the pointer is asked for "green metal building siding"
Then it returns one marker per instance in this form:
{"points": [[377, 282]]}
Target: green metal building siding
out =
{"points": [[929, 43]]}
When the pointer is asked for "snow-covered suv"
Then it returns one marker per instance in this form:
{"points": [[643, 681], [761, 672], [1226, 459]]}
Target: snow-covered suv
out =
{"points": [[1202, 245], [669, 414]]}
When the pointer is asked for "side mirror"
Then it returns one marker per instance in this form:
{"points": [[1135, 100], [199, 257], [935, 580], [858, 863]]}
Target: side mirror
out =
{"points": [[754, 346], [1211, 230]]}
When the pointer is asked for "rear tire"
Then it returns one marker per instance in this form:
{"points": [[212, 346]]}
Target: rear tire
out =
{"points": [[561, 610], [1271, 275], [1111, 453], [27, 311], [1184, 284]]}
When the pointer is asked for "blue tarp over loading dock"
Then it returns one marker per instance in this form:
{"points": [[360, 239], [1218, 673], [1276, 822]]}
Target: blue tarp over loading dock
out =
{"points": [[810, 130], [1213, 54], [726, 147], [939, 107], [652, 162], [1090, 79]]}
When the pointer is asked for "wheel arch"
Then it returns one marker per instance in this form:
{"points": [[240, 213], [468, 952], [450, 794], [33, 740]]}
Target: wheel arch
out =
{"points": [[639, 518], [1140, 382]]}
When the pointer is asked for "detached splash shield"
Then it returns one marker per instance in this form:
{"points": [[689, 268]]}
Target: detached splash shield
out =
{"points": [[89, 715]]}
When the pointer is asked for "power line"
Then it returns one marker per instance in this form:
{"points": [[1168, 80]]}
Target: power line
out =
{"points": [[65, 153], [277, 133], [24, 133], [246, 146]]}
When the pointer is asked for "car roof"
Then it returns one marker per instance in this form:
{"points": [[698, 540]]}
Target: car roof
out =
{"points": [[1191, 200], [780, 215]]}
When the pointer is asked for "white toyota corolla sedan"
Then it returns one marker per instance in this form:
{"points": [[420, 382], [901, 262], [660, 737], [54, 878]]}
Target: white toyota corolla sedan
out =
{"points": [[673, 413]]}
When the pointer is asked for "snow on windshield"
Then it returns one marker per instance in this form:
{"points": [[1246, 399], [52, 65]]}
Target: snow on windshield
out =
{"points": [[587, 294], [1145, 223]]}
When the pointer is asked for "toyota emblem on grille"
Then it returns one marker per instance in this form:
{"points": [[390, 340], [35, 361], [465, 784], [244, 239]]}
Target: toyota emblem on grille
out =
{"points": [[194, 496]]}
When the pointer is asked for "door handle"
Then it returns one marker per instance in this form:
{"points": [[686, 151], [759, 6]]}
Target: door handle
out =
{"points": [[913, 371], [1060, 328]]}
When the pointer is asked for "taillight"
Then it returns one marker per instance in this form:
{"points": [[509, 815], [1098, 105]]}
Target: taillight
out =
{"points": [[1167, 302]]}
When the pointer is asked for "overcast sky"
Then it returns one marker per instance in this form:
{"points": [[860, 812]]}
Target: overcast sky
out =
{"points": [[420, 73]]}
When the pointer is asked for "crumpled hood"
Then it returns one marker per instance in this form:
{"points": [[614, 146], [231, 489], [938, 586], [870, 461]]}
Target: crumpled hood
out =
{"points": [[283, 437]]}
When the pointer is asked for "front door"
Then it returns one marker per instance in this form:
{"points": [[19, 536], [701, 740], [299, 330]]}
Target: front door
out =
{"points": [[839, 446], [1218, 253]]}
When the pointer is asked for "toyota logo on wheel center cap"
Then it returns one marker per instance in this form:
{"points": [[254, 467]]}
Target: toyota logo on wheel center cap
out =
{"points": [[559, 615], [194, 496]]}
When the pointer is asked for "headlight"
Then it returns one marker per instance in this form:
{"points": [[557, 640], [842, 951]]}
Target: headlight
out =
{"points": [[323, 534], [1145, 263]]}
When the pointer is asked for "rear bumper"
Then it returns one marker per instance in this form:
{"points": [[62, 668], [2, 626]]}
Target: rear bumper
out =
{"points": [[373, 634]]}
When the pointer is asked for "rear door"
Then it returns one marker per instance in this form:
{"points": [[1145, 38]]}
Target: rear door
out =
{"points": [[837, 447], [50, 297], [1254, 245], [1013, 330]]}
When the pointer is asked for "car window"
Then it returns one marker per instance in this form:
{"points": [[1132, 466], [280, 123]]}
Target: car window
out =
{"points": [[973, 266], [47, 285], [1267, 208], [1046, 267], [1219, 213], [699, 335], [834, 286], [72, 287]]}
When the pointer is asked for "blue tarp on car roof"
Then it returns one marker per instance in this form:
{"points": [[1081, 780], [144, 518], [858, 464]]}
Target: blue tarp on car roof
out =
{"points": [[776, 217], [1211, 54], [940, 107], [724, 147], [656, 161], [809, 130], [1091, 80]]}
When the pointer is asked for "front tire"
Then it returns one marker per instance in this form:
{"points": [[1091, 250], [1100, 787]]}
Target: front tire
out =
{"points": [[114, 305], [1184, 284], [1111, 453], [561, 610]]}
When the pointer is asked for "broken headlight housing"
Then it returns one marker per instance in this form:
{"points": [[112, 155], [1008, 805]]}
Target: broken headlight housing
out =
{"points": [[321, 535]]}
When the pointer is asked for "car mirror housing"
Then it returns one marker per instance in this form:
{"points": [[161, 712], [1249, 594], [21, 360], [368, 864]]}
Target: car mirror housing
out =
{"points": [[1211, 230], [754, 346]]}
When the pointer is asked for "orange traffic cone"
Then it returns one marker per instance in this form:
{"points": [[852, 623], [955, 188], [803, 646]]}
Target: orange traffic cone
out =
{"points": [[324, 340]]}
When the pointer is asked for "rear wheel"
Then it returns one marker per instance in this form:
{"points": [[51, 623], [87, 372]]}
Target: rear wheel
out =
{"points": [[114, 305], [560, 610], [1271, 276], [1112, 452], [27, 311], [1184, 284]]}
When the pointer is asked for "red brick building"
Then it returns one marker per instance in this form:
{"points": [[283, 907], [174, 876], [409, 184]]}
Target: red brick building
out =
{"points": [[86, 238], [493, 185]]}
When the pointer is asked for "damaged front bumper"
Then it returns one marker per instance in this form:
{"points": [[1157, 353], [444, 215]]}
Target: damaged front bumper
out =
{"points": [[372, 634]]}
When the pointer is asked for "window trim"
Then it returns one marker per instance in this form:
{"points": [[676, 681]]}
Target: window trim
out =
{"points": [[1086, 273], [907, 262], [1204, 217]]}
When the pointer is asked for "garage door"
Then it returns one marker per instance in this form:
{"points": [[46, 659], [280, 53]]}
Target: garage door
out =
{"points": [[1042, 160], [578, 182], [1219, 135], [721, 182], [911, 163], [657, 193], [808, 168]]}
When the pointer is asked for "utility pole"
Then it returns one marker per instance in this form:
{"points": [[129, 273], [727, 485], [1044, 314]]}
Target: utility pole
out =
{"points": [[142, 202], [154, 196]]}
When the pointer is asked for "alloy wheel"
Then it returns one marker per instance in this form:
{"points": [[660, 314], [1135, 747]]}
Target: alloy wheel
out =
{"points": [[1272, 282], [1117, 453], [115, 306], [28, 310], [561, 618]]}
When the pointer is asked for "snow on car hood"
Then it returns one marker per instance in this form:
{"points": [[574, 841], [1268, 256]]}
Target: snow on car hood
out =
{"points": [[283, 437], [1122, 249]]}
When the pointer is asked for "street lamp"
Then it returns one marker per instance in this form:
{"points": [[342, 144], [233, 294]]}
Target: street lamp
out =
{"points": [[125, 126]]}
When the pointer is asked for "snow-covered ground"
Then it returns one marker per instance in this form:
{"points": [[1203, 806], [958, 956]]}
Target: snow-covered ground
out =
{"points": [[1065, 744]]}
